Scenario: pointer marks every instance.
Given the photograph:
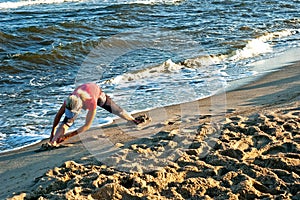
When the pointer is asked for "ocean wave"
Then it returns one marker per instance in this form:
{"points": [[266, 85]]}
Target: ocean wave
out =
{"points": [[60, 55], [150, 1], [13, 4], [167, 67], [259, 45], [254, 47], [5, 36]]}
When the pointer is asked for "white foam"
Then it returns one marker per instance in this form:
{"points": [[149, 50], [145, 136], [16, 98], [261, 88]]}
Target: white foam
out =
{"points": [[34, 82], [149, 1], [277, 34], [29, 138], [259, 45], [167, 67], [2, 136], [253, 48], [204, 61], [17, 4], [102, 122], [18, 148], [12, 5], [262, 67]]}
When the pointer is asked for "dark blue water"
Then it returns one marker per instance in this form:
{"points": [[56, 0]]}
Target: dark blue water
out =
{"points": [[140, 52]]}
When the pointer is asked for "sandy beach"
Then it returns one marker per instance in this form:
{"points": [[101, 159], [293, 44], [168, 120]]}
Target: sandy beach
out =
{"points": [[243, 144]]}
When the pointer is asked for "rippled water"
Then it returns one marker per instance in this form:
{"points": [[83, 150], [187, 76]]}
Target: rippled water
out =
{"points": [[140, 52]]}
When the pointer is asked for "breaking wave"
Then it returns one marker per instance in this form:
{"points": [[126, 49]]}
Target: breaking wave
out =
{"points": [[13, 4], [255, 47]]}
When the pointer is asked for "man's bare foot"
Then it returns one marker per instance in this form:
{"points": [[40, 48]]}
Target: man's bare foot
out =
{"points": [[47, 146]]}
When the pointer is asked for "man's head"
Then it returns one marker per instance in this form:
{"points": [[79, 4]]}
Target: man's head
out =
{"points": [[73, 106]]}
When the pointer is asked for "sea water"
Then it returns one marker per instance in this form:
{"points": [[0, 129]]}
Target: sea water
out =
{"points": [[143, 53]]}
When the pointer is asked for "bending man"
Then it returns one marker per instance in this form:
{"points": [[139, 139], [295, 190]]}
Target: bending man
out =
{"points": [[87, 96]]}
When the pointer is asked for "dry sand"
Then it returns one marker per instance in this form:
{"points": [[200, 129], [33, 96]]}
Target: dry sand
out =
{"points": [[198, 150]]}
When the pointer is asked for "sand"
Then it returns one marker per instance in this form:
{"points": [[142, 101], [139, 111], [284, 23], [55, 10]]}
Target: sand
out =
{"points": [[243, 144]]}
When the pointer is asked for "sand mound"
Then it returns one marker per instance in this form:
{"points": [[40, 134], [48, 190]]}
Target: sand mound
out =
{"points": [[255, 156]]}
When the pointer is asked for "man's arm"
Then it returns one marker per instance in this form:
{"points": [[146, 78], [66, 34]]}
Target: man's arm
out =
{"points": [[57, 118], [88, 122]]}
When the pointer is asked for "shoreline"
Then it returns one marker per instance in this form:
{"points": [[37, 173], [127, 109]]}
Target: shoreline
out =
{"points": [[23, 170], [278, 62]]}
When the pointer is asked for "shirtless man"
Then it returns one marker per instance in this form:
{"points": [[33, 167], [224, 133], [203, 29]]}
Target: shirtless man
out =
{"points": [[87, 96]]}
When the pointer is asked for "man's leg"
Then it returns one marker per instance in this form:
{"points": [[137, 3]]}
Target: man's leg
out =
{"points": [[113, 108]]}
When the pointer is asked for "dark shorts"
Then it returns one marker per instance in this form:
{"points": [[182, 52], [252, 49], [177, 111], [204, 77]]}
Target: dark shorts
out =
{"points": [[110, 106]]}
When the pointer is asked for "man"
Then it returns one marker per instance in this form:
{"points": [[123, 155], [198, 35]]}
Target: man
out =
{"points": [[87, 96]]}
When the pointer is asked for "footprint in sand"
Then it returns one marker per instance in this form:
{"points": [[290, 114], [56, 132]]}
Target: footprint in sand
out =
{"points": [[260, 141]]}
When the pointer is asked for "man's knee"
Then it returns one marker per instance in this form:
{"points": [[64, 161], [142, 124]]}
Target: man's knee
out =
{"points": [[111, 106]]}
